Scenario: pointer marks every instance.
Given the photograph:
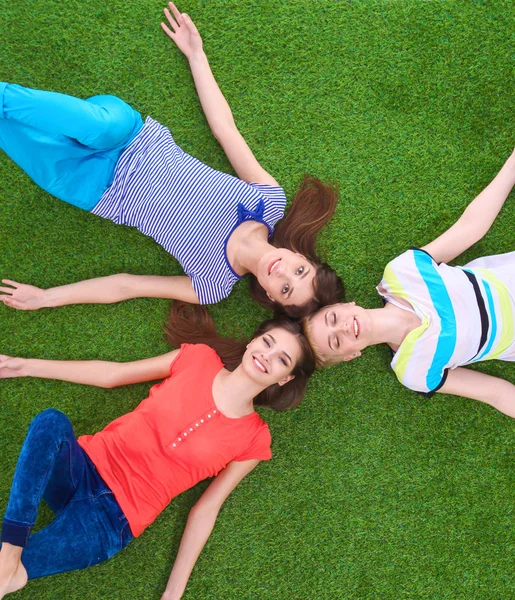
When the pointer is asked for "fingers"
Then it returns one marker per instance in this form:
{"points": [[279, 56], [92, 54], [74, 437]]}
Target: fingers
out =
{"points": [[171, 21], [12, 303], [176, 13], [167, 30], [189, 23], [10, 282]]}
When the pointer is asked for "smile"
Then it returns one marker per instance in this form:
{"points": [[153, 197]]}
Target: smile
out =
{"points": [[273, 265], [259, 365], [356, 328]]}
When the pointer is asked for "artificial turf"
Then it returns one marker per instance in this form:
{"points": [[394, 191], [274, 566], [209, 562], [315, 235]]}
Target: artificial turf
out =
{"points": [[374, 492]]}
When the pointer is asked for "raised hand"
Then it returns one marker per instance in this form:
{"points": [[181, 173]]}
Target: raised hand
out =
{"points": [[11, 367], [21, 296], [183, 32]]}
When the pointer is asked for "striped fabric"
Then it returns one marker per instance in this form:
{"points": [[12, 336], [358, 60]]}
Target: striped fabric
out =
{"points": [[186, 207], [467, 314]]}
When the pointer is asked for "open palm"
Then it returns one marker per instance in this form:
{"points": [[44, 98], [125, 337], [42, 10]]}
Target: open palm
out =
{"points": [[183, 32]]}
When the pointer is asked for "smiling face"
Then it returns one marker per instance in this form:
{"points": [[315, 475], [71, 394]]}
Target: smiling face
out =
{"points": [[271, 357], [340, 332], [287, 277]]}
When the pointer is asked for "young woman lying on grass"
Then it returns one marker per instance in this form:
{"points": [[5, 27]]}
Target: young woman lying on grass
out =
{"points": [[438, 318], [98, 155], [199, 422]]}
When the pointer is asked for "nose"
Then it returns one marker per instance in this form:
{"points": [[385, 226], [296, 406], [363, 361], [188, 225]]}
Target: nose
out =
{"points": [[279, 270]]}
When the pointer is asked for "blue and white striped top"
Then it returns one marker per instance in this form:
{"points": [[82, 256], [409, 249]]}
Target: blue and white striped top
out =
{"points": [[467, 314], [185, 206]]}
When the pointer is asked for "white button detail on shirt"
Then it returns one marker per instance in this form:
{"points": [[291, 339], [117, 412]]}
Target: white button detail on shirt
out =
{"points": [[201, 420], [214, 412], [191, 428], [178, 439], [196, 424], [208, 416], [174, 445]]}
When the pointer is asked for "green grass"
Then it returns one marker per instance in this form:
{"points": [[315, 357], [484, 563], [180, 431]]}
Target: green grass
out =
{"points": [[374, 492]]}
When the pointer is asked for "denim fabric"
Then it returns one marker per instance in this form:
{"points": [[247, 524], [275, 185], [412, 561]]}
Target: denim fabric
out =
{"points": [[68, 146], [89, 525]]}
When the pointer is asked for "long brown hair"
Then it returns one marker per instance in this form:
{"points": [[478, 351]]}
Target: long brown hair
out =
{"points": [[311, 209], [192, 324]]}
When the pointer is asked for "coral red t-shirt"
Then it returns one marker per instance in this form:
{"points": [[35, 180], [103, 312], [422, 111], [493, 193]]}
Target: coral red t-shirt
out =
{"points": [[175, 438]]}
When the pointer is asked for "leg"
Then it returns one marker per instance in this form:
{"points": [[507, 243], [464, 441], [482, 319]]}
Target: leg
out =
{"points": [[87, 532], [49, 453], [69, 147], [100, 123]]}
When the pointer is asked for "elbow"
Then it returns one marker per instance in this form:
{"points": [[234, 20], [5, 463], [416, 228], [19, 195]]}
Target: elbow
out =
{"points": [[123, 286], [222, 130]]}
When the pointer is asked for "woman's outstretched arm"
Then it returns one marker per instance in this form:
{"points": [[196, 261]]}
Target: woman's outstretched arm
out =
{"points": [[201, 521], [89, 372], [102, 290], [495, 391], [218, 113], [477, 218]]}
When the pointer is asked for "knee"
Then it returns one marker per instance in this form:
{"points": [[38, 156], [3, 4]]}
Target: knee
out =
{"points": [[50, 420], [117, 121]]}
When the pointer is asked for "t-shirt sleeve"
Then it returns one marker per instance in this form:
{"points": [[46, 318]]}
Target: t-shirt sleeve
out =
{"points": [[192, 353], [259, 447], [209, 291], [275, 202]]}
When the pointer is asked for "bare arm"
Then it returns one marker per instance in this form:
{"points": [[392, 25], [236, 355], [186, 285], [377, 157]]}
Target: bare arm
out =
{"points": [[477, 218], [102, 290], [89, 372], [495, 391], [201, 521], [218, 113]]}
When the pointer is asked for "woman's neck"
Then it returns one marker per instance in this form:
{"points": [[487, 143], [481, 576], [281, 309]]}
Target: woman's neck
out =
{"points": [[391, 324], [247, 244], [234, 392]]}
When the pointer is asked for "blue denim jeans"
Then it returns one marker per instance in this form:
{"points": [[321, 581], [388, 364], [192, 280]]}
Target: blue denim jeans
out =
{"points": [[68, 146], [89, 525]]}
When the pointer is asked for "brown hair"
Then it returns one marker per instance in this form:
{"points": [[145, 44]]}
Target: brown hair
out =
{"points": [[192, 324], [312, 208], [321, 359]]}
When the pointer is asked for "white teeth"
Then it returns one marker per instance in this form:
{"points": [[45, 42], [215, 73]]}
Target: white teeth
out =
{"points": [[355, 328], [274, 265], [259, 365]]}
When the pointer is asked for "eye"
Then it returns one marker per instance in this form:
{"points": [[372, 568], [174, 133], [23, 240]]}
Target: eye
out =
{"points": [[283, 361], [285, 289], [333, 317], [299, 271], [336, 342], [266, 342]]}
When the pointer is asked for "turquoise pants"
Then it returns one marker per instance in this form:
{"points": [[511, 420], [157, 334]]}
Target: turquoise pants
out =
{"points": [[69, 147]]}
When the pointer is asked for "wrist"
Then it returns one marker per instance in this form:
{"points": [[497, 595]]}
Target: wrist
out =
{"points": [[45, 299], [24, 369], [197, 56]]}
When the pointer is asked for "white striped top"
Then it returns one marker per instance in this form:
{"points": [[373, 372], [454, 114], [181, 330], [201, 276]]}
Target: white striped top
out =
{"points": [[185, 206], [467, 314]]}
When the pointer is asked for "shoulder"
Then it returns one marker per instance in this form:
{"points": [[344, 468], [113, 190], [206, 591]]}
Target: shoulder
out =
{"points": [[210, 290], [275, 201], [197, 355]]}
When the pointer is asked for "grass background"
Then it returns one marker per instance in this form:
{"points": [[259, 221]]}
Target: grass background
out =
{"points": [[374, 492]]}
